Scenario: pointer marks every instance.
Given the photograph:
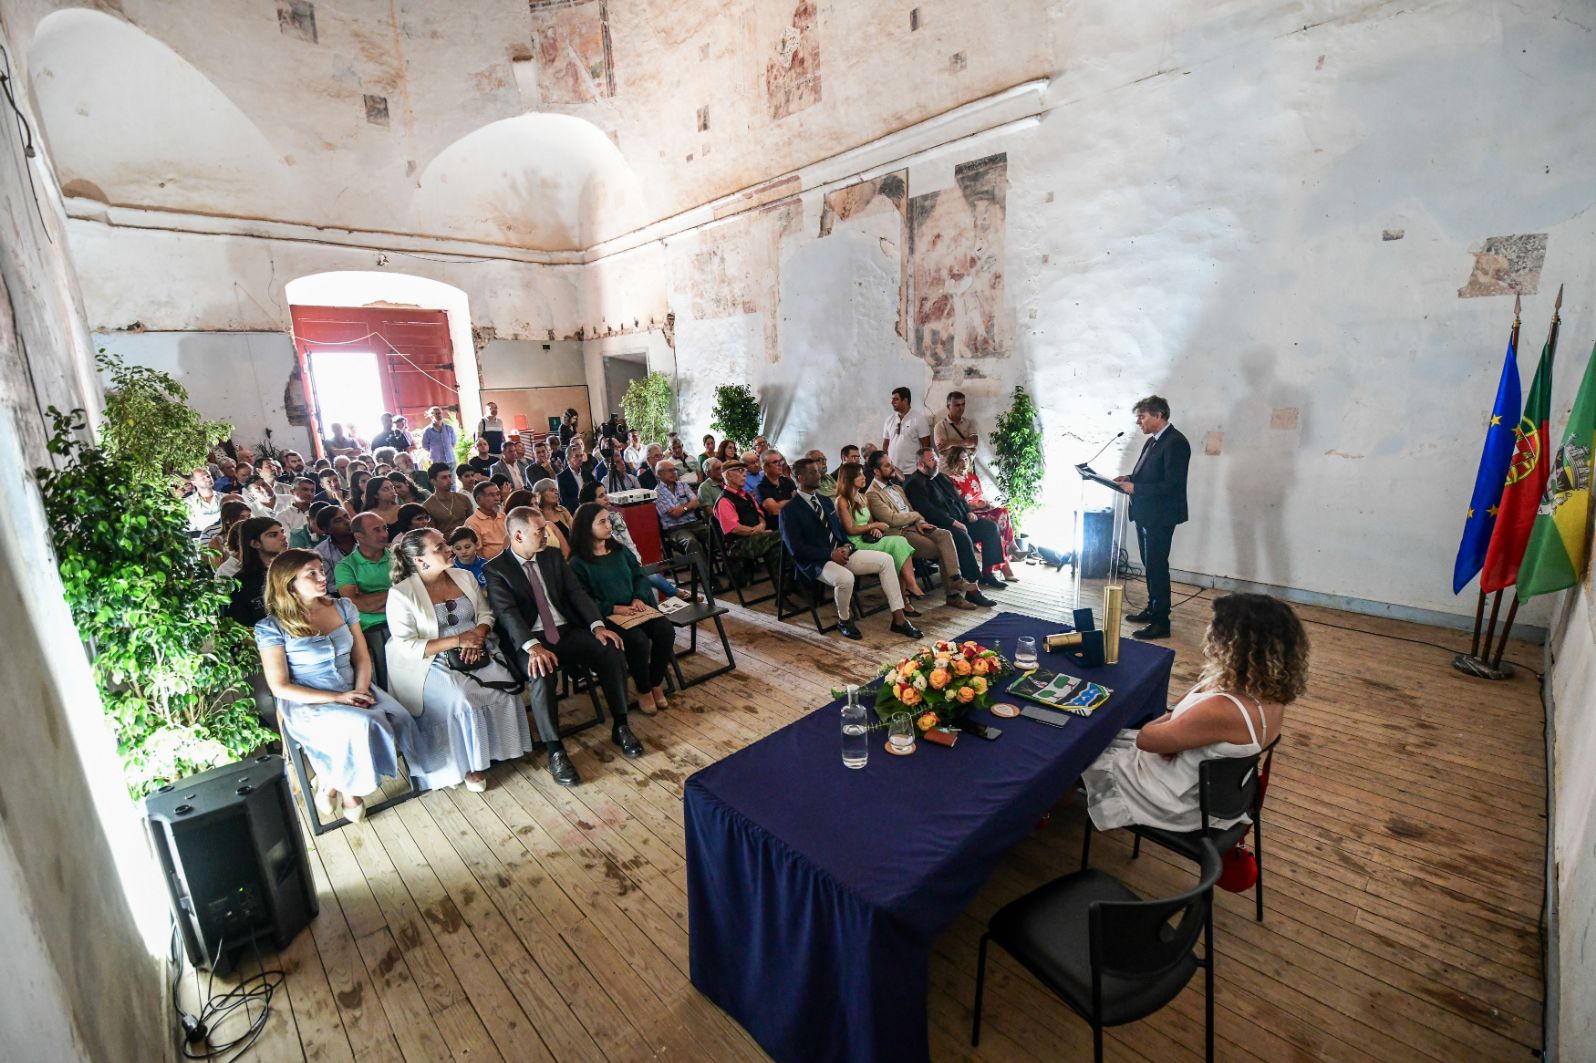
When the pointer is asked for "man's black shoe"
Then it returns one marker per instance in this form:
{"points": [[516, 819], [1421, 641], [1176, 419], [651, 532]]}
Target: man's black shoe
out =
{"points": [[1152, 631], [908, 630], [978, 598], [622, 736], [562, 769], [993, 582], [1138, 618], [846, 629]]}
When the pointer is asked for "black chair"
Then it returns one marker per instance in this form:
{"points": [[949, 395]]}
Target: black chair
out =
{"points": [[1111, 956], [788, 577], [744, 573], [1227, 787], [303, 784], [693, 614]]}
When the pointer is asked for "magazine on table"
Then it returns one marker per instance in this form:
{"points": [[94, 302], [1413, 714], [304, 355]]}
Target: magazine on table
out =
{"points": [[1058, 691]]}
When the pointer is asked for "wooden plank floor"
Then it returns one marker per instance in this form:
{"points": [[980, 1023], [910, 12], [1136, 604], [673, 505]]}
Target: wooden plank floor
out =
{"points": [[1404, 835]]}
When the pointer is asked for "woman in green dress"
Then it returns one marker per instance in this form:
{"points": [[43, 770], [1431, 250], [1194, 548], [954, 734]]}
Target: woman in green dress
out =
{"points": [[615, 580], [866, 534]]}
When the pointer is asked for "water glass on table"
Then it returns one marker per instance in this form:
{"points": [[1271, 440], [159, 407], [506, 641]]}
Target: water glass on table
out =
{"points": [[900, 733], [855, 731], [1025, 653]]}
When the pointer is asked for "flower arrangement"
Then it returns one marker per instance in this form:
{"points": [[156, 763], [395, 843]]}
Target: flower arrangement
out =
{"points": [[940, 683]]}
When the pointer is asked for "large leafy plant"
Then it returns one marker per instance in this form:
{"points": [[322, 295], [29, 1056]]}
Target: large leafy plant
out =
{"points": [[736, 414], [172, 673], [647, 406], [148, 424], [1017, 443]]}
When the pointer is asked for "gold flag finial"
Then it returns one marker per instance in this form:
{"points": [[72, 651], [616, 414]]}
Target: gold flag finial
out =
{"points": [[1518, 301]]}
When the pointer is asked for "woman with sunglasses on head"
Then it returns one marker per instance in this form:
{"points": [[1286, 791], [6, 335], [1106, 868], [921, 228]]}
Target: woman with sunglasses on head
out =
{"points": [[442, 666]]}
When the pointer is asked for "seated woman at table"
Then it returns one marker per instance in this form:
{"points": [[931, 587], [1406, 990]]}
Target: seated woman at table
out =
{"points": [[614, 579], [317, 665], [1255, 663], [959, 465], [867, 534], [434, 608]]}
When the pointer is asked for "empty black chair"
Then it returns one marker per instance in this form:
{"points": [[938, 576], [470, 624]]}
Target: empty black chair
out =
{"points": [[693, 614], [1111, 956], [1227, 787]]}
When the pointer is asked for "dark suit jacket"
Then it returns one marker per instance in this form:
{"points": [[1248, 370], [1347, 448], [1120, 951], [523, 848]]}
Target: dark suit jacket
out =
{"points": [[1159, 500], [510, 595], [808, 539], [572, 481], [935, 499]]}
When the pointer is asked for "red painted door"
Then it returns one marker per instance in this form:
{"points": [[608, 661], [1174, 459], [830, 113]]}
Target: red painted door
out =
{"points": [[415, 356]]}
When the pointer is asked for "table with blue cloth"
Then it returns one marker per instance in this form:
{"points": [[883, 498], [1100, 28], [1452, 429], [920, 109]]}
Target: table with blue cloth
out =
{"points": [[815, 891]]}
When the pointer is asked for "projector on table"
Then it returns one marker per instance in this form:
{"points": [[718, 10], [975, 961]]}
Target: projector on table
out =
{"points": [[630, 498]]}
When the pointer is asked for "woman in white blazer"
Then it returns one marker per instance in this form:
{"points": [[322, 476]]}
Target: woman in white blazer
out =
{"points": [[435, 608]]}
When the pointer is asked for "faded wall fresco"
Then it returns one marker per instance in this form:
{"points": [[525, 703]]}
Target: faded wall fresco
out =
{"points": [[884, 195], [792, 77], [956, 270], [571, 38], [735, 269], [1506, 265]]}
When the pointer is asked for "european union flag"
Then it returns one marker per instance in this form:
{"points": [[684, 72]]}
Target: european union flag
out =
{"points": [[1492, 477]]}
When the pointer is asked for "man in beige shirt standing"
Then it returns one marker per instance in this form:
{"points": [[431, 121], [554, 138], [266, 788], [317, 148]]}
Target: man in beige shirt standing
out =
{"points": [[890, 505], [955, 430], [449, 508]]}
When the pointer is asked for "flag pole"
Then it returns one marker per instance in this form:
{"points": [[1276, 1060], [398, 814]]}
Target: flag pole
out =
{"points": [[1512, 612], [1479, 606], [1479, 618]]}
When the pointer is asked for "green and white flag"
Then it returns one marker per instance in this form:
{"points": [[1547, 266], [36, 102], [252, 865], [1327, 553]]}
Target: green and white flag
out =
{"points": [[1558, 548]]}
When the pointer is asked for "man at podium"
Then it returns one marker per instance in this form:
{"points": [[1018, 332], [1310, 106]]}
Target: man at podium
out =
{"points": [[1157, 489]]}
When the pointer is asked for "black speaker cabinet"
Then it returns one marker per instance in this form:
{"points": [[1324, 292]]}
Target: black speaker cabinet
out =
{"points": [[1097, 534], [234, 858]]}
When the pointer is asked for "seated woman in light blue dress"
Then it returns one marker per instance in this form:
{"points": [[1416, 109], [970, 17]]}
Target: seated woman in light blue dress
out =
{"points": [[317, 665], [477, 715]]}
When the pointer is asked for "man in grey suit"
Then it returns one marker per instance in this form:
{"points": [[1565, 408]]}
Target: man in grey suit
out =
{"points": [[512, 465]]}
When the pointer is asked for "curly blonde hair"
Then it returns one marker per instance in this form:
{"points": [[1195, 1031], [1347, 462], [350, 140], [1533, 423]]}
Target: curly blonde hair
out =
{"points": [[1256, 645]]}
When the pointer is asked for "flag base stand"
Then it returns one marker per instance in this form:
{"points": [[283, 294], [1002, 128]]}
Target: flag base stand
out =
{"points": [[1473, 666]]}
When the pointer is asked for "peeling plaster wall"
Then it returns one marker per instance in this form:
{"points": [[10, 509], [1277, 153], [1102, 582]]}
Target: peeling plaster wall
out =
{"points": [[1212, 218], [1570, 680]]}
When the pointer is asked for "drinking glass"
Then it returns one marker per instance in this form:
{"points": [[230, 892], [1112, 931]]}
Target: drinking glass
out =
{"points": [[855, 731], [900, 733], [1025, 653]]}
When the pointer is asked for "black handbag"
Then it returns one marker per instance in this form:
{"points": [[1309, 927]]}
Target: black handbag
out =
{"points": [[458, 664]]}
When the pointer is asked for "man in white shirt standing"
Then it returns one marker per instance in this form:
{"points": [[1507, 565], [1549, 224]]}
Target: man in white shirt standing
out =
{"points": [[906, 430]]}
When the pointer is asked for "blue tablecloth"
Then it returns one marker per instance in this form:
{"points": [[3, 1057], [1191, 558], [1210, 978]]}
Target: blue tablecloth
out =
{"points": [[815, 891]]}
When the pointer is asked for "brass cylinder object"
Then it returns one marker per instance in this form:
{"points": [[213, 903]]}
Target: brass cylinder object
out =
{"points": [[1062, 639], [1113, 602]]}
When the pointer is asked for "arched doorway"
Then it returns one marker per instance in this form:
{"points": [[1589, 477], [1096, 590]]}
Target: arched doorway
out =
{"points": [[369, 343]]}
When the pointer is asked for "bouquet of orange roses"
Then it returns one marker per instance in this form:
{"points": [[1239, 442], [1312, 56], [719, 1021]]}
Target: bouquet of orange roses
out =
{"points": [[938, 684]]}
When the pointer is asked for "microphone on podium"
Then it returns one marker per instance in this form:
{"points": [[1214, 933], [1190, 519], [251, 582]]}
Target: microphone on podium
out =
{"points": [[1100, 450]]}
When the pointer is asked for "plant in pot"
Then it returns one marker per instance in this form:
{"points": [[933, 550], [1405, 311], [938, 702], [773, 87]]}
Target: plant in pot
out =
{"points": [[173, 674], [736, 414], [647, 406], [1017, 446]]}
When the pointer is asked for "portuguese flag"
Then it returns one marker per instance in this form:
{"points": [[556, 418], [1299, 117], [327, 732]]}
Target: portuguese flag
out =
{"points": [[1526, 478], [1557, 551]]}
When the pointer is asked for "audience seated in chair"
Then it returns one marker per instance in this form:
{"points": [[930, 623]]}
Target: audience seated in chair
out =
{"points": [[449, 507], [748, 535], [364, 577], [821, 551], [890, 505], [615, 581], [938, 501], [487, 521], [958, 465], [259, 540]]}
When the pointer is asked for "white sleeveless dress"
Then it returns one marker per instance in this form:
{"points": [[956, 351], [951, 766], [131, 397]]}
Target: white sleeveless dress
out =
{"points": [[1127, 785]]}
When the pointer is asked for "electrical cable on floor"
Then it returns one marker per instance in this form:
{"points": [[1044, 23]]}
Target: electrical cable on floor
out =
{"points": [[257, 988]]}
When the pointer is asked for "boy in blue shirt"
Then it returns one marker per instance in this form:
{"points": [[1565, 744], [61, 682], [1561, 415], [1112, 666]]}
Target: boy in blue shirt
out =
{"points": [[465, 545]]}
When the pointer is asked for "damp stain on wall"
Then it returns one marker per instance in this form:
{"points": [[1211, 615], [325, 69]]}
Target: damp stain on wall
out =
{"points": [[1506, 265]]}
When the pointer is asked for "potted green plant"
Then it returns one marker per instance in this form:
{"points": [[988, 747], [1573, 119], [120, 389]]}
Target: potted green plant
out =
{"points": [[647, 406], [173, 674], [1017, 446], [736, 415]]}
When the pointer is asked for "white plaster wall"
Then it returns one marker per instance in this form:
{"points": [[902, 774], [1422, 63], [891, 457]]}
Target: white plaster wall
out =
{"points": [[1214, 234], [80, 899], [239, 377], [1572, 678], [531, 364]]}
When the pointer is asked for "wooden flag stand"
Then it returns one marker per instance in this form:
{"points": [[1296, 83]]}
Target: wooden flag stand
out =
{"points": [[1485, 667]]}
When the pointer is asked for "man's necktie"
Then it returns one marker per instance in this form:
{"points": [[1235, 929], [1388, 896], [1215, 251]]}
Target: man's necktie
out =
{"points": [[1143, 457], [551, 630]]}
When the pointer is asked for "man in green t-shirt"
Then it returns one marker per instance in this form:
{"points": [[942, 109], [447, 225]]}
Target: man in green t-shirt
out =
{"points": [[363, 578]]}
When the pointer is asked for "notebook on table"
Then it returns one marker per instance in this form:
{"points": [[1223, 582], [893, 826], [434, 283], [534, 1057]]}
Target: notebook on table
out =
{"points": [[1059, 691]]}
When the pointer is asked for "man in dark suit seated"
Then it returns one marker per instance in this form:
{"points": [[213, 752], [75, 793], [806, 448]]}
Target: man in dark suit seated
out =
{"points": [[1157, 489], [821, 551], [933, 495], [546, 620]]}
